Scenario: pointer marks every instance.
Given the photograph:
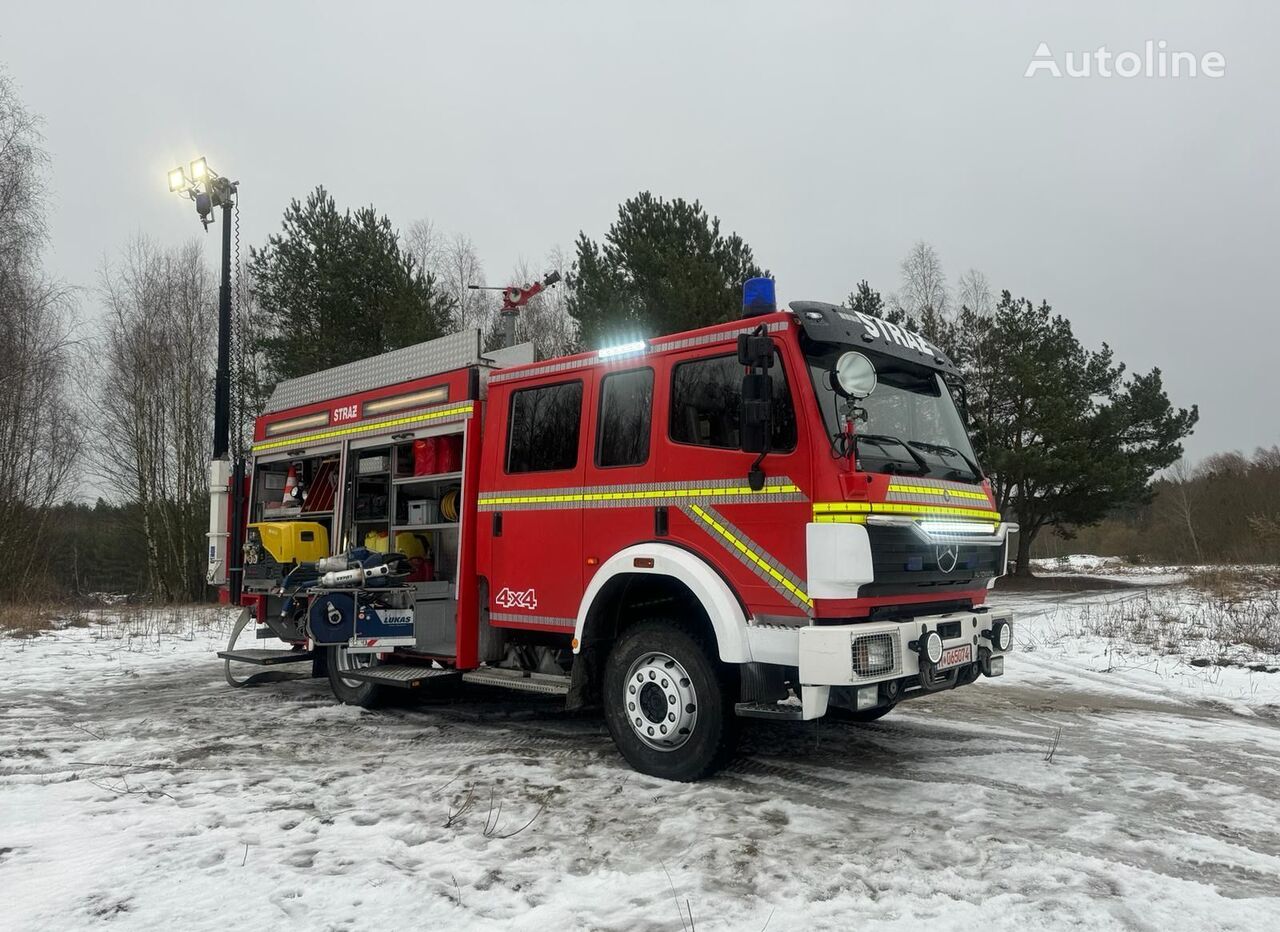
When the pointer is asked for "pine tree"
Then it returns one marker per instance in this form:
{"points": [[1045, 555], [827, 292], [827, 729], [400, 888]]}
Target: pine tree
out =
{"points": [[866, 300], [1066, 437], [333, 287], [664, 266]]}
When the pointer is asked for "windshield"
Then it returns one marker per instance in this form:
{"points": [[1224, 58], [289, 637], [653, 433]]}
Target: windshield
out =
{"points": [[911, 424]]}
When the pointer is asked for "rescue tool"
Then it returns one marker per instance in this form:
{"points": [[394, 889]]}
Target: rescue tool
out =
{"points": [[779, 516]]}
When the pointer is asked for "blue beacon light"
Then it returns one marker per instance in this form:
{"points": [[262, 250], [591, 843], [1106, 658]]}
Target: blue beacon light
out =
{"points": [[758, 297]]}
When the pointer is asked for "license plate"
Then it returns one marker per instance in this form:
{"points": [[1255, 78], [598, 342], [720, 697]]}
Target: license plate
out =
{"points": [[955, 656]]}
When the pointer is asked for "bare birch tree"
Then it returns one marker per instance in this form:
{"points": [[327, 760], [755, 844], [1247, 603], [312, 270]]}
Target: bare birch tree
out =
{"points": [[154, 403], [923, 294], [38, 429], [974, 294]]}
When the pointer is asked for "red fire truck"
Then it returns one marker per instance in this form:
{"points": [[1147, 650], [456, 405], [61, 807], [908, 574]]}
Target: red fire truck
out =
{"points": [[772, 517]]}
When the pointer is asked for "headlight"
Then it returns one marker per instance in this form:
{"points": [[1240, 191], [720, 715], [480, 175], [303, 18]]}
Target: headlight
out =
{"points": [[873, 654]]}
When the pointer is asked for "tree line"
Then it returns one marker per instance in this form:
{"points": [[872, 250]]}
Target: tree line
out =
{"points": [[1070, 438]]}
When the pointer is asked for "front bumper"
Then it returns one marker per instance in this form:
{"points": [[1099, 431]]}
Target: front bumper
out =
{"points": [[871, 653]]}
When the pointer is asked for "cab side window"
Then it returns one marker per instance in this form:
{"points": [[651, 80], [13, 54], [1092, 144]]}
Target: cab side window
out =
{"points": [[626, 410], [706, 404], [543, 427]]}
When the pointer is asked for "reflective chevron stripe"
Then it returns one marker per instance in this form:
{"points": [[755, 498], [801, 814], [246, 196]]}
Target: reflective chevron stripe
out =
{"points": [[750, 554]]}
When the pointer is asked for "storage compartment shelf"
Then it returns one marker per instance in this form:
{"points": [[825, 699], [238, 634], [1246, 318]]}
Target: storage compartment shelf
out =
{"points": [[441, 526]]}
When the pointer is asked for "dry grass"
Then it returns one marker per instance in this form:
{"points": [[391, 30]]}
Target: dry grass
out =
{"points": [[127, 623], [1226, 619], [27, 621], [1235, 583]]}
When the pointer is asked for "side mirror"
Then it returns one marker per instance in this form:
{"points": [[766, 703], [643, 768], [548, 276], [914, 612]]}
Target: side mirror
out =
{"points": [[755, 350], [755, 427]]}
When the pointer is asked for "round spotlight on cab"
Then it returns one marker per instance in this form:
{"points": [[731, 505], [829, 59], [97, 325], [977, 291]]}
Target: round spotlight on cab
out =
{"points": [[1002, 635], [854, 376], [930, 647]]}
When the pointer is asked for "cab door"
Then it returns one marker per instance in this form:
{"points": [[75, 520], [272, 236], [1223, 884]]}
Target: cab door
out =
{"points": [[530, 503], [619, 461], [701, 446]]}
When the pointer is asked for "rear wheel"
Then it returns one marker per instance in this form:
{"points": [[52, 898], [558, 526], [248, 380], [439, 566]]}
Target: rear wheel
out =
{"points": [[349, 691], [667, 702]]}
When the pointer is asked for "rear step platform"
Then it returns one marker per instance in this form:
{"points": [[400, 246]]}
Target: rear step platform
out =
{"points": [[400, 675], [519, 679], [773, 710], [265, 658]]}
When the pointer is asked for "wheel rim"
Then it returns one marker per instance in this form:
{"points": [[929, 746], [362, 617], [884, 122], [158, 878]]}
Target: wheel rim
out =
{"points": [[348, 661], [660, 702]]}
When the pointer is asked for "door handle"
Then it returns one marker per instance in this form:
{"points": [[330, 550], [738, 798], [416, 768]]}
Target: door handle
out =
{"points": [[497, 524]]}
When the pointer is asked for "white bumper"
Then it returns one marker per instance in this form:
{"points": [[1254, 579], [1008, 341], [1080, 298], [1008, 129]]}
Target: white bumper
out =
{"points": [[834, 655]]}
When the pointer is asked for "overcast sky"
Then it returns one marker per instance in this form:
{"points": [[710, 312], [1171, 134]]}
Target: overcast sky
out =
{"points": [[830, 135]]}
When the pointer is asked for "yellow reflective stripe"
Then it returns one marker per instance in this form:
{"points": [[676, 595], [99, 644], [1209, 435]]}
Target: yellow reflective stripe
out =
{"points": [[641, 494], [829, 509], [931, 490], [753, 556], [840, 519], [360, 428]]}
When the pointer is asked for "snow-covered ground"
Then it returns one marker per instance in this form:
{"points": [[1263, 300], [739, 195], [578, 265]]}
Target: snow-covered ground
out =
{"points": [[1098, 785]]}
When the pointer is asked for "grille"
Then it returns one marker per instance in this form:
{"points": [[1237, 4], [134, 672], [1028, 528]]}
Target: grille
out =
{"points": [[905, 563], [875, 654]]}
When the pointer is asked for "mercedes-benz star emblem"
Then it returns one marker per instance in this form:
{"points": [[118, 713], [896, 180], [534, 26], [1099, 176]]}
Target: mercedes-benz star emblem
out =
{"points": [[948, 555]]}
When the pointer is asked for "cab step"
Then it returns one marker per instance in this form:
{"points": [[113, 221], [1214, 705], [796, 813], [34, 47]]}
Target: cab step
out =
{"points": [[519, 679], [265, 658], [770, 710], [399, 675]]}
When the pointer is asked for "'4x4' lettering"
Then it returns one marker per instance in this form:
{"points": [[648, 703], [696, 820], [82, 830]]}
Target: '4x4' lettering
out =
{"points": [[509, 598]]}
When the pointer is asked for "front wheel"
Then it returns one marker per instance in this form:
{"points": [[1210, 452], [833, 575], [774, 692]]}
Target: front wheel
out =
{"points": [[668, 703], [349, 691]]}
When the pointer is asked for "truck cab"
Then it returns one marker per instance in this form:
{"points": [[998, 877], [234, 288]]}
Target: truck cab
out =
{"points": [[779, 516]]}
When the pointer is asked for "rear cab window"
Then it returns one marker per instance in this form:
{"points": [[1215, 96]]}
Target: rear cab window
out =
{"points": [[625, 417]]}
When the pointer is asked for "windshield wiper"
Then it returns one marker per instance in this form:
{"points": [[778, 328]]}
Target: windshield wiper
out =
{"points": [[884, 440], [949, 451]]}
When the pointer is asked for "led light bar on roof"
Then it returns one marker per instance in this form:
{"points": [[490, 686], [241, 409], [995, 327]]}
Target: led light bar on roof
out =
{"points": [[622, 349]]}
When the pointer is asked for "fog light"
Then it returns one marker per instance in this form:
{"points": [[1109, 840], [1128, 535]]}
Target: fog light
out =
{"points": [[1000, 634], [995, 666], [868, 697], [1004, 635], [931, 647]]}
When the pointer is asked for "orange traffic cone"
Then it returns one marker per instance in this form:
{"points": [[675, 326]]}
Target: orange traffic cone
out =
{"points": [[290, 486]]}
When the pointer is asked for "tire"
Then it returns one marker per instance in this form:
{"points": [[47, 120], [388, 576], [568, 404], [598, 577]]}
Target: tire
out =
{"points": [[668, 702], [871, 715], [352, 692]]}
